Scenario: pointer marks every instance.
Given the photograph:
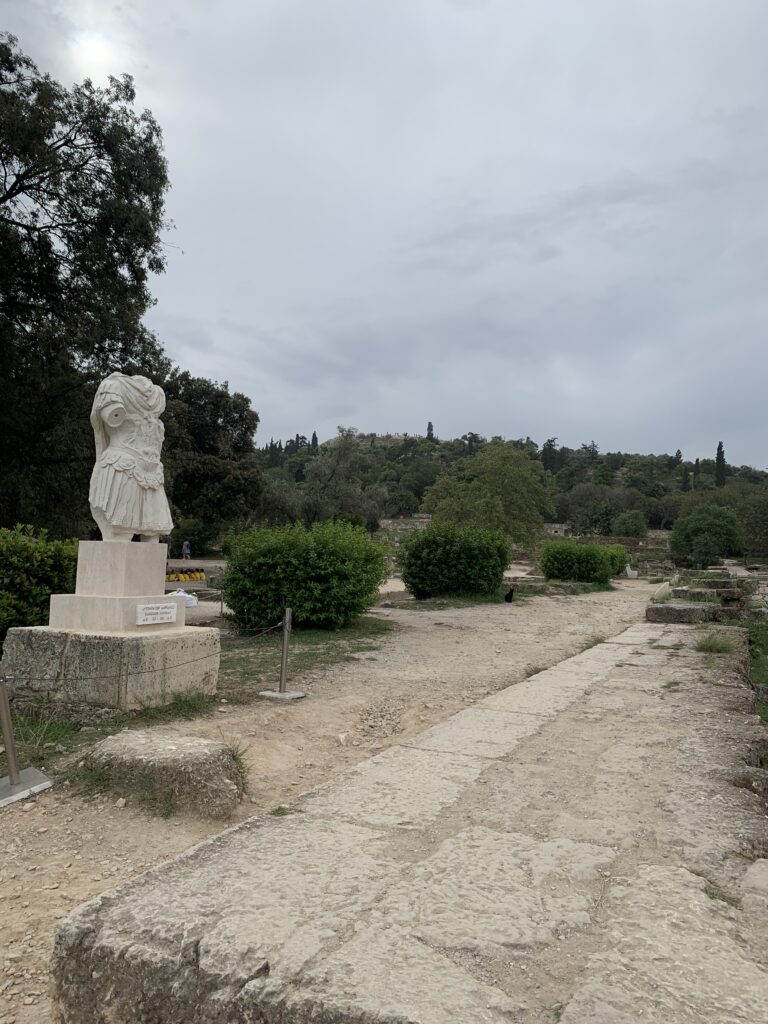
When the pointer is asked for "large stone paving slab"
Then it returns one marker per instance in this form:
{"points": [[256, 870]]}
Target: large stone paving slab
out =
{"points": [[452, 880]]}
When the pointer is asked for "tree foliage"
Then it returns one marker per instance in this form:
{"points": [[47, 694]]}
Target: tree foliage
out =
{"points": [[720, 467], [82, 188], [83, 179], [499, 488], [629, 524], [708, 533]]}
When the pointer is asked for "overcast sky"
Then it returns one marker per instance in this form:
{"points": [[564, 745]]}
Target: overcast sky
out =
{"points": [[542, 217]]}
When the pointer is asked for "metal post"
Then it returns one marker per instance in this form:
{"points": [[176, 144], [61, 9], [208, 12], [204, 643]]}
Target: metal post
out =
{"points": [[8, 739], [16, 785], [286, 640], [283, 693]]}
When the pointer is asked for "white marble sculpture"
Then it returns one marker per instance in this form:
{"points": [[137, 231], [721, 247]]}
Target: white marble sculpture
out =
{"points": [[127, 495]]}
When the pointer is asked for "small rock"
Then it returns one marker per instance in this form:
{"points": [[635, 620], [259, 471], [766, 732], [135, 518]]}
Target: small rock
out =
{"points": [[28, 807], [60, 748], [222, 711], [342, 738], [120, 803], [87, 728]]}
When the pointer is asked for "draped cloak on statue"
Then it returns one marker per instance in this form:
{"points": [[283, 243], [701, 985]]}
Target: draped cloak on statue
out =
{"points": [[127, 480]]}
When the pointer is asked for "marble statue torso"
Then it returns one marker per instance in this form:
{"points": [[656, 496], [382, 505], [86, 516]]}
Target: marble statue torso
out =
{"points": [[127, 493]]}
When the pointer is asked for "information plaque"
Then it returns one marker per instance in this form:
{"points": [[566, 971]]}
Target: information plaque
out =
{"points": [[151, 614]]}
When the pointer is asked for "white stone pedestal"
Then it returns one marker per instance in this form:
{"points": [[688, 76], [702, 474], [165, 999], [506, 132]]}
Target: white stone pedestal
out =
{"points": [[118, 641]]}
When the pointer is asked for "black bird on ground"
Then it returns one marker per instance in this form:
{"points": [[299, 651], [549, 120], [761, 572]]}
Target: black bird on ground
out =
{"points": [[509, 595]]}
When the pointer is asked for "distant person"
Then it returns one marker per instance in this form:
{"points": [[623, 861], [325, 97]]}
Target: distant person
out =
{"points": [[167, 542], [186, 550]]}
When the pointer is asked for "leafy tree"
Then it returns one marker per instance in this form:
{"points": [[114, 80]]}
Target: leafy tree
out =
{"points": [[313, 445], [696, 473], [629, 524], [82, 189], [753, 514], [604, 475], [499, 488], [720, 470], [708, 533], [591, 508], [549, 455], [430, 432]]}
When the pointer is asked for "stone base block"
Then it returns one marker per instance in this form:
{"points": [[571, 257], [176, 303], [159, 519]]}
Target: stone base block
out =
{"points": [[110, 568], [117, 614], [128, 671], [171, 771]]}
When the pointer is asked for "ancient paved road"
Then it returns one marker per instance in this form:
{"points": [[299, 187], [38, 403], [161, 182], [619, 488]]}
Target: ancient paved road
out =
{"points": [[583, 846]]}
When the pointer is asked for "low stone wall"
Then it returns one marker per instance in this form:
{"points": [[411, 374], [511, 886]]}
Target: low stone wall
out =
{"points": [[110, 670]]}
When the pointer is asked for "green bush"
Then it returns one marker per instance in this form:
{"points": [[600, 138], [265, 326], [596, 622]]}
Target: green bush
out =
{"points": [[629, 524], [619, 558], [568, 560], [31, 569], [706, 535], [446, 559], [326, 575]]}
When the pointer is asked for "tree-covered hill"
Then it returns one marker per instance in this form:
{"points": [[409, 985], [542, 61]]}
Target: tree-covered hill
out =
{"points": [[395, 475]]}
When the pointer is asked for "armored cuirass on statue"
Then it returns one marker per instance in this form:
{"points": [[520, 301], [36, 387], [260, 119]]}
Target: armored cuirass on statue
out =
{"points": [[127, 495]]}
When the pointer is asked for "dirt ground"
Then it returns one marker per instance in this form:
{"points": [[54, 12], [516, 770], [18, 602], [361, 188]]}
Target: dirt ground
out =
{"points": [[61, 850]]}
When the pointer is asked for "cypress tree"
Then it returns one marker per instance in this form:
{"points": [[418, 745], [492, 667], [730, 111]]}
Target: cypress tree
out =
{"points": [[720, 465]]}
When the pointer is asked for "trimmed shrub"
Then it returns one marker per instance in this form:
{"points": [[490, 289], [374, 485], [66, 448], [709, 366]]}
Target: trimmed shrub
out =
{"points": [[31, 569], [449, 560], [327, 575], [706, 535], [568, 560], [619, 558], [629, 524]]}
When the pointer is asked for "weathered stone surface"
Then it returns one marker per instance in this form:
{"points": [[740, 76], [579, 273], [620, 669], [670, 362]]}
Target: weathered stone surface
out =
{"points": [[399, 788], [453, 878], [116, 569], [677, 611], [706, 593], [126, 671], [755, 887], [677, 961], [183, 772]]}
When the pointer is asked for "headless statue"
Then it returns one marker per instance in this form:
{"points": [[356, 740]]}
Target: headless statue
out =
{"points": [[127, 495]]}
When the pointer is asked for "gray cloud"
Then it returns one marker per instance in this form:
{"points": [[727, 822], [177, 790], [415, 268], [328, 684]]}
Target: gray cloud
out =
{"points": [[544, 219]]}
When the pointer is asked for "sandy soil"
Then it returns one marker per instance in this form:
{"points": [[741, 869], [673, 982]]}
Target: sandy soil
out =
{"points": [[61, 849]]}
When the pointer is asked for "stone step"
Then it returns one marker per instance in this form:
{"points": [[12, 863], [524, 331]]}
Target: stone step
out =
{"points": [[707, 594], [691, 612]]}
